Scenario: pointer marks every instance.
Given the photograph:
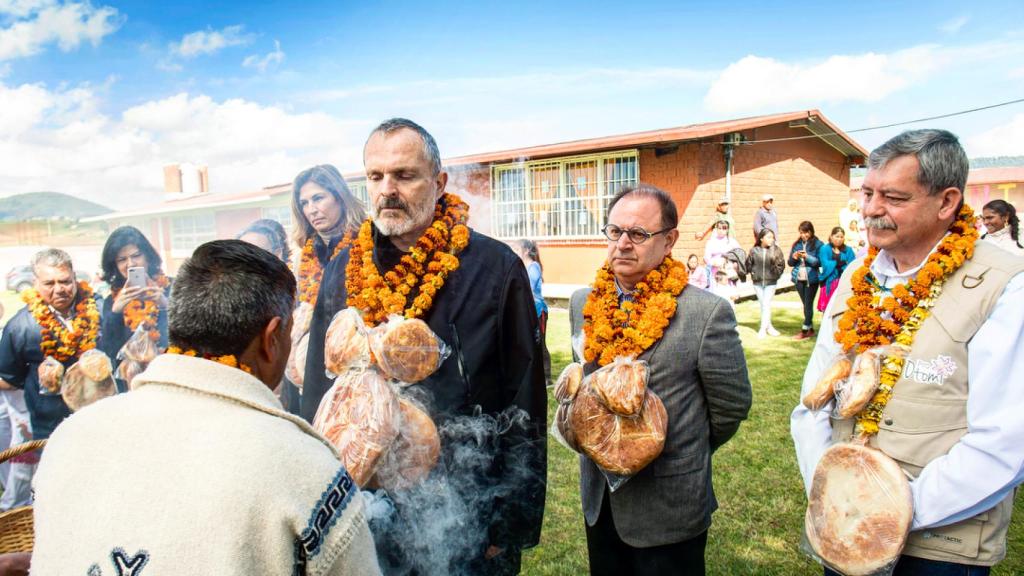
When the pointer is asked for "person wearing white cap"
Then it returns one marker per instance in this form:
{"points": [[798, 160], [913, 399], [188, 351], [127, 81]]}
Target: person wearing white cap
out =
{"points": [[721, 214], [766, 217]]}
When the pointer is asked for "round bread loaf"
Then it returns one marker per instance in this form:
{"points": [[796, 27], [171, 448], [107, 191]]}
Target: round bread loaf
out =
{"points": [[621, 386], [860, 509], [95, 365], [407, 350], [413, 454], [860, 387], [568, 383], [50, 373], [128, 369], [346, 345], [302, 317], [619, 444], [359, 415], [295, 370], [563, 420], [79, 389], [825, 389]]}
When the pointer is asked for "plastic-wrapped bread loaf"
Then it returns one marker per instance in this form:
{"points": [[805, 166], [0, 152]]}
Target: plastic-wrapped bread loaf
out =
{"points": [[619, 444], [407, 349], [621, 386], [414, 453]]}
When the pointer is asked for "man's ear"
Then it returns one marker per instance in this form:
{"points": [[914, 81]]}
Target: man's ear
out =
{"points": [[951, 198], [442, 181], [270, 341]]}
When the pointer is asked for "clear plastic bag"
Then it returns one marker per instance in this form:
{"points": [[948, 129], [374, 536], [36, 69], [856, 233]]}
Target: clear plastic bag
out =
{"points": [[295, 369], [50, 374], [360, 415], [621, 446], [140, 347], [347, 344], [621, 385], [88, 380], [568, 383], [853, 394], [127, 370], [833, 378], [859, 512], [566, 389], [414, 452], [302, 317], [406, 349]]}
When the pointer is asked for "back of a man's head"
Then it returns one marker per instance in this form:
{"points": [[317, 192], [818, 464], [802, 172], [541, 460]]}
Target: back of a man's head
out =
{"points": [[224, 296]]}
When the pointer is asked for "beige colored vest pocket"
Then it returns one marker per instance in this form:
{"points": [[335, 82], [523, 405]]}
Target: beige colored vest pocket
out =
{"points": [[916, 431]]}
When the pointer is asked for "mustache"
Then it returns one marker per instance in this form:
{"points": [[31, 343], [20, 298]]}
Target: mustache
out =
{"points": [[392, 203], [879, 223]]}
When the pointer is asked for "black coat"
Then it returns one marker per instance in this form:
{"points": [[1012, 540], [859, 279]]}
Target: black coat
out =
{"points": [[766, 265], [485, 313]]}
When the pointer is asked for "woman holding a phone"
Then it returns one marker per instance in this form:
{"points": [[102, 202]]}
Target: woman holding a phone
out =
{"points": [[138, 291], [803, 257]]}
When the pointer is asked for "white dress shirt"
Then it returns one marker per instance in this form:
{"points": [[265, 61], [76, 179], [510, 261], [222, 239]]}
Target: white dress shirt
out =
{"points": [[988, 461]]}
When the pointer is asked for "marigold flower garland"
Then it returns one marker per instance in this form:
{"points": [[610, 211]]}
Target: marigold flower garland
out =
{"points": [[57, 341], [421, 273], [227, 360], [870, 322], [311, 271], [142, 311], [612, 330]]}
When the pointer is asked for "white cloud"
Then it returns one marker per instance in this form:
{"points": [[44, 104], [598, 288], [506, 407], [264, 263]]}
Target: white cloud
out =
{"points": [[1004, 140], [262, 63], [39, 24], [953, 25], [204, 42], [58, 140]]}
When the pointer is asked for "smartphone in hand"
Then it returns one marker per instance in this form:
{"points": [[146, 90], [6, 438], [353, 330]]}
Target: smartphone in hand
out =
{"points": [[137, 277]]}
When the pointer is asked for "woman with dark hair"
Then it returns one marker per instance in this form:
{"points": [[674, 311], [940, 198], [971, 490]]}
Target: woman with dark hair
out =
{"points": [[530, 255], [765, 263], [834, 257], [803, 257], [269, 235], [326, 219], [128, 307], [1002, 225]]}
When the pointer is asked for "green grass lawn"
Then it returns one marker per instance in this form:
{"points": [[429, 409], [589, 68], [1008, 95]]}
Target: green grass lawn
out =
{"points": [[758, 525]]}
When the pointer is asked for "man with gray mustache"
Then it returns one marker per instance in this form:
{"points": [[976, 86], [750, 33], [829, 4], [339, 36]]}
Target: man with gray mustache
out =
{"points": [[952, 422]]}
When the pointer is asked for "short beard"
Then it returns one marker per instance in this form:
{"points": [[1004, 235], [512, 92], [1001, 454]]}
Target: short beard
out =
{"points": [[879, 223], [416, 215]]}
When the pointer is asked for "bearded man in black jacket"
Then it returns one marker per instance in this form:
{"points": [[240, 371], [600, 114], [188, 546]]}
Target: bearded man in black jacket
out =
{"points": [[488, 397]]}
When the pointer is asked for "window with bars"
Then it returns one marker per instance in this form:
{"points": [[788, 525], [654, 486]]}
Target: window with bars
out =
{"points": [[282, 214], [564, 198], [190, 231], [358, 189]]}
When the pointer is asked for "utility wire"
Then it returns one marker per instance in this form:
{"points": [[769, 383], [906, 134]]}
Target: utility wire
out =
{"points": [[951, 114]]}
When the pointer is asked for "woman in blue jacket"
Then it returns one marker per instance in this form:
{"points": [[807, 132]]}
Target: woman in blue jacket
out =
{"points": [[834, 258], [803, 258]]}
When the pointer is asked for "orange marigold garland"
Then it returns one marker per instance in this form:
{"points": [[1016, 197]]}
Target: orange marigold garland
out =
{"points": [[871, 321], [142, 311], [311, 271], [57, 341], [627, 329], [422, 271], [227, 360]]}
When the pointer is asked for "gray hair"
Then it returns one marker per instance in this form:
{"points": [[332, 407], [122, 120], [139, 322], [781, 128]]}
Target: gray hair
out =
{"points": [[941, 159], [430, 151], [54, 257], [224, 296]]}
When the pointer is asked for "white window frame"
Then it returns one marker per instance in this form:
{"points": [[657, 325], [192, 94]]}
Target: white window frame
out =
{"points": [[184, 243], [281, 214], [358, 189], [520, 199]]}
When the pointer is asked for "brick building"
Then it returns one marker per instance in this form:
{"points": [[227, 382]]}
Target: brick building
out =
{"points": [[557, 193]]}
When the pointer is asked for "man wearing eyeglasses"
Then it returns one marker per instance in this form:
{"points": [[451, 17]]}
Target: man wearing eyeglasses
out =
{"points": [[657, 522]]}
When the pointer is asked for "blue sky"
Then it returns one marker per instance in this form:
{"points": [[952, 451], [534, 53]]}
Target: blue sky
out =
{"points": [[95, 98]]}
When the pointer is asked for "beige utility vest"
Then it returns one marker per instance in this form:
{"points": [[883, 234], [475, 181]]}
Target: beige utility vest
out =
{"points": [[927, 414]]}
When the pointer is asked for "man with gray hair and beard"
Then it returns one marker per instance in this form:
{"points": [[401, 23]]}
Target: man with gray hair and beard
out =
{"points": [[951, 419], [199, 470], [487, 398]]}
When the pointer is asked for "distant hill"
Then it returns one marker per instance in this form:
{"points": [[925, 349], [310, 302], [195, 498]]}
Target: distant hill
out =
{"points": [[47, 205]]}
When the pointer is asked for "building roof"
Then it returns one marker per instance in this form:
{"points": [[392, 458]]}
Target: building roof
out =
{"points": [[812, 120], [198, 202]]}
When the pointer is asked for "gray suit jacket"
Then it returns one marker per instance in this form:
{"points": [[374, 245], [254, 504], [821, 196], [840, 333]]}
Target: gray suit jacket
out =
{"points": [[698, 370]]}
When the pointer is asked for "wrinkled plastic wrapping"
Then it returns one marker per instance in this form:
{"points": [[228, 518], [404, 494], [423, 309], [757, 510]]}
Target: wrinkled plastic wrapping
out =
{"points": [[620, 445], [127, 370], [302, 317], [139, 347], [413, 454], [347, 343], [360, 415], [859, 512], [88, 380], [406, 349], [295, 369], [856, 392], [50, 374], [833, 378]]}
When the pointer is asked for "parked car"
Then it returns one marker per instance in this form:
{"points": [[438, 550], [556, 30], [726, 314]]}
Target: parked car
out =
{"points": [[21, 277]]}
